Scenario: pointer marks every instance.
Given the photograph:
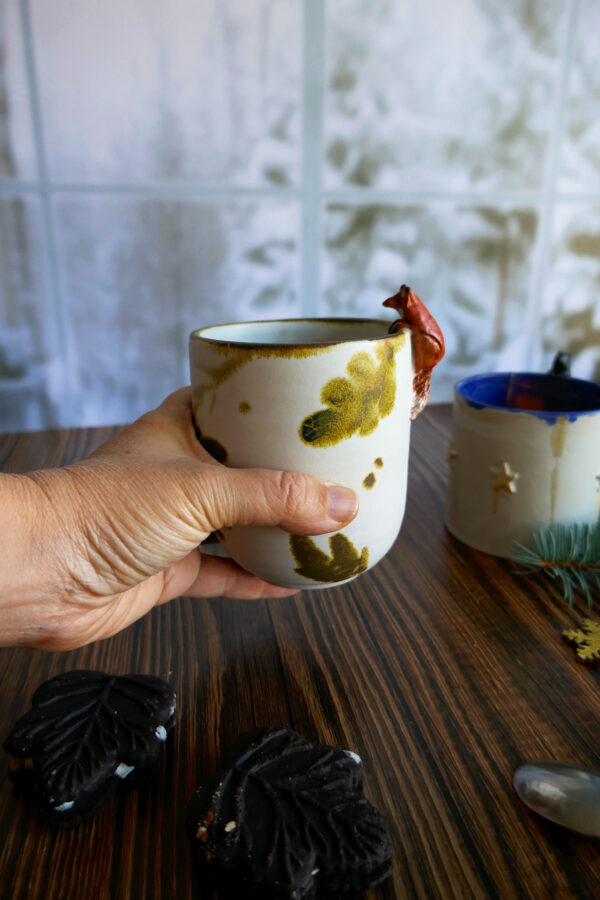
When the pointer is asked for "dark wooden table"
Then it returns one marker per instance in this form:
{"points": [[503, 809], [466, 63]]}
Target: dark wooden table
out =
{"points": [[441, 668]]}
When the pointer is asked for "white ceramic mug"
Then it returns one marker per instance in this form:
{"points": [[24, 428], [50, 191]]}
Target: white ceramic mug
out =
{"points": [[328, 397], [525, 454]]}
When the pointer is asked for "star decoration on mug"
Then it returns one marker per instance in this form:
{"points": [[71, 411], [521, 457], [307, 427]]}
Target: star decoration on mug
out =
{"points": [[504, 480]]}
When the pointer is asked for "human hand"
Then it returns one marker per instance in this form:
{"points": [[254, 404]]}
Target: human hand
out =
{"points": [[116, 534]]}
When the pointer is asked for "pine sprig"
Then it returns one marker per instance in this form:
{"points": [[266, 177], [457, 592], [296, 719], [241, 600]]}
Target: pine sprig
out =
{"points": [[570, 553]]}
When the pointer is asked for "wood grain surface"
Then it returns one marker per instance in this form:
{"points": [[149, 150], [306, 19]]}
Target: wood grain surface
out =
{"points": [[440, 667]]}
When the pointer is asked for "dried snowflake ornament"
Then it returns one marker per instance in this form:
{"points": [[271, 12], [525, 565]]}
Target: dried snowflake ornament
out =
{"points": [[586, 640]]}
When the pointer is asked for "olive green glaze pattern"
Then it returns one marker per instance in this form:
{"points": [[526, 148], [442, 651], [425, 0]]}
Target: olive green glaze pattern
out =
{"points": [[379, 463], [235, 358], [345, 560], [357, 403], [369, 481]]}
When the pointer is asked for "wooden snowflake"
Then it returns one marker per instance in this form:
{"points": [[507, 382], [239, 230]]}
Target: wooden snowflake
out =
{"points": [[586, 640]]}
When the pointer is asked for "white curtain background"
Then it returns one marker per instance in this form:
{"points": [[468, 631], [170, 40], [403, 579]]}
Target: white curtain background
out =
{"points": [[165, 166]]}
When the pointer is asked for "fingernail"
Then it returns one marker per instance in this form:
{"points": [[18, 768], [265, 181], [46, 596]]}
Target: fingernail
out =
{"points": [[342, 502]]}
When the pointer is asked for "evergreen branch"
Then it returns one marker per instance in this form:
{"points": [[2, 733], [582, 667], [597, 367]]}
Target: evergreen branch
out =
{"points": [[569, 553]]}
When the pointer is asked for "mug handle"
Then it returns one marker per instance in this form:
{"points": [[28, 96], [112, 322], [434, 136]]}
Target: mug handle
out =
{"points": [[427, 341]]}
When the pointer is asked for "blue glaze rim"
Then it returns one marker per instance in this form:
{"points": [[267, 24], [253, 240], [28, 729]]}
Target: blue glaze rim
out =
{"points": [[490, 389]]}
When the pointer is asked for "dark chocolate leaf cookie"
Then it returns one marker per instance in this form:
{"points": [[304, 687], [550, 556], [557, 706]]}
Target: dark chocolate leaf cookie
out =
{"points": [[287, 818], [87, 733]]}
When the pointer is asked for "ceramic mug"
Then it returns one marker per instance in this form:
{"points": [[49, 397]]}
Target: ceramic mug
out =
{"points": [[525, 454], [328, 397]]}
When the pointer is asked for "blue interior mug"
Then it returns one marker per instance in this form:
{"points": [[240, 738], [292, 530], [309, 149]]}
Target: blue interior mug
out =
{"points": [[525, 454]]}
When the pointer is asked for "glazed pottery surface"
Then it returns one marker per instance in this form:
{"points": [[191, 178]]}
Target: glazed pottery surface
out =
{"points": [[328, 397], [525, 454]]}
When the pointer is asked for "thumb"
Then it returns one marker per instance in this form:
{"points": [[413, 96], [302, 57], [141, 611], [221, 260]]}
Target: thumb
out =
{"points": [[297, 503]]}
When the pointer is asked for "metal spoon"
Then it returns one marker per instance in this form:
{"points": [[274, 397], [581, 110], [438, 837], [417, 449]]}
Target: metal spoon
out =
{"points": [[566, 794]]}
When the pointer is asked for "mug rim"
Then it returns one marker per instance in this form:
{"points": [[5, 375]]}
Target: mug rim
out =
{"points": [[199, 334], [590, 387]]}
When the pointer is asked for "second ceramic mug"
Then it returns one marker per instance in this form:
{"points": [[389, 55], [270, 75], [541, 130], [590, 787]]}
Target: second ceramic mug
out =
{"points": [[328, 397], [525, 454]]}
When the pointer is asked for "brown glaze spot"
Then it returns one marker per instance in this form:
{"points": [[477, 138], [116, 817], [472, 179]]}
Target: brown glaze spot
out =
{"points": [[354, 404], [369, 481], [379, 463], [212, 446], [558, 438], [215, 449], [244, 407], [345, 560]]}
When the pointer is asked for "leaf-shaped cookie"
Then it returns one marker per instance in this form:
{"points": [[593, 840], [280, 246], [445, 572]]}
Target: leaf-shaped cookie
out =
{"points": [[85, 734], [287, 818]]}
